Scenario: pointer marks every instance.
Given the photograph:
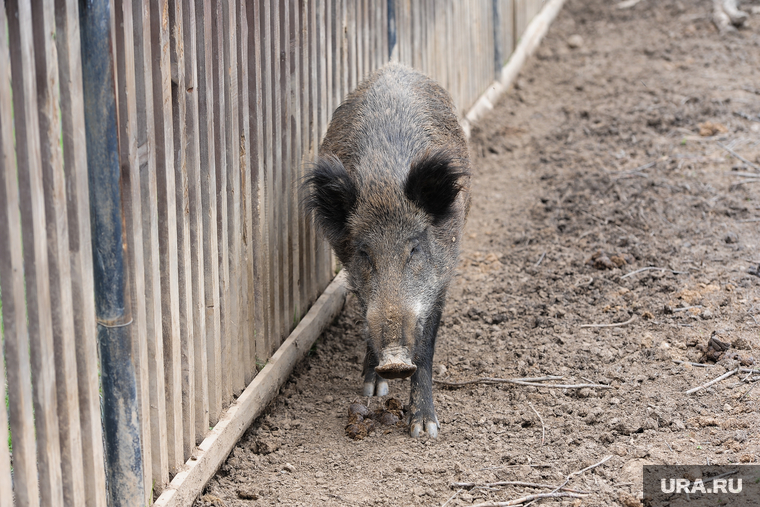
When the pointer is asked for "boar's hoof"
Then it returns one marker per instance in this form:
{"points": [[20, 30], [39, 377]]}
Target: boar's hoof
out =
{"points": [[378, 387], [420, 424], [395, 370]]}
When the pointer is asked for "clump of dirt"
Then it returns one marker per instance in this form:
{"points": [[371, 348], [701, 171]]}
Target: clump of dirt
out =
{"points": [[596, 149], [361, 422]]}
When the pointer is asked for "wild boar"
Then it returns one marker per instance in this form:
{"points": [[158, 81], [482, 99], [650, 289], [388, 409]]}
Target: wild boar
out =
{"points": [[390, 191]]}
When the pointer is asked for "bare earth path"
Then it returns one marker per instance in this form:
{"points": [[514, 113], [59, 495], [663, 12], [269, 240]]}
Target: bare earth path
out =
{"points": [[590, 170]]}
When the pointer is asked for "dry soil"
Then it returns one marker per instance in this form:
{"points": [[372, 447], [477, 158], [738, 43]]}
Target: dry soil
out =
{"points": [[610, 155]]}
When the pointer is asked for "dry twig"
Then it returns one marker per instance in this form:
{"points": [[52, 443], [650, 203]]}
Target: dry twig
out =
{"points": [[470, 485], [713, 381], [521, 382], [650, 268], [529, 498], [700, 365], [617, 324], [452, 498], [732, 152], [543, 428]]}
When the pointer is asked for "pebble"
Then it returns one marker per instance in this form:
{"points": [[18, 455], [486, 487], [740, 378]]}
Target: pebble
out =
{"points": [[727, 408], [288, 468], [575, 41], [329, 399]]}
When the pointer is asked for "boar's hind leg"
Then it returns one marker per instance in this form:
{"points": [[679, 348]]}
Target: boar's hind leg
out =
{"points": [[374, 384], [422, 412]]}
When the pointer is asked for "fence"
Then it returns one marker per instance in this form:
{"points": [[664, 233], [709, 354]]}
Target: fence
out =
{"points": [[215, 107]]}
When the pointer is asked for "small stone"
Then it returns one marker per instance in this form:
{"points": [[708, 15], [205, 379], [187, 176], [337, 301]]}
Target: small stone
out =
{"points": [[647, 341], [419, 491], [664, 345], [575, 41], [467, 497], [247, 494], [731, 238], [288, 468], [727, 408], [615, 401], [440, 370], [584, 393], [329, 399]]}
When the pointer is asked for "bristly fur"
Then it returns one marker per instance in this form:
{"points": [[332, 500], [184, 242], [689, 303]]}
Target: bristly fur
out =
{"points": [[433, 183], [330, 195]]}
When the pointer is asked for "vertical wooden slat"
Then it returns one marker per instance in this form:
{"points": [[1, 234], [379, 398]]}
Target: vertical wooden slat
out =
{"points": [[232, 190], [16, 337], [350, 40], [268, 117], [284, 170], [249, 320], [296, 147], [318, 55], [132, 208], [220, 131], [345, 77], [207, 143], [195, 205], [278, 259], [167, 227], [256, 81], [146, 150], [181, 196], [58, 261], [35, 251], [80, 248]]}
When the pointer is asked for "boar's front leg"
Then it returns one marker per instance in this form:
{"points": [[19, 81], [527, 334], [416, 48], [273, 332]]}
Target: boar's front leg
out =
{"points": [[422, 412], [374, 384]]}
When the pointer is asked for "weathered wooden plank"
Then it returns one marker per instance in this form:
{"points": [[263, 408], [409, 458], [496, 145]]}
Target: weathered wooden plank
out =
{"points": [[132, 209], [352, 50], [80, 247], [16, 335], [269, 119], [146, 149], [181, 193], [279, 162], [232, 128], [258, 183], [285, 171], [221, 95], [58, 262], [207, 147], [36, 274], [317, 55], [195, 208], [160, 46], [297, 145], [248, 349]]}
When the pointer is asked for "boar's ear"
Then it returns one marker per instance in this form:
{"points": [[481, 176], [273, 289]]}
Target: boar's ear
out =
{"points": [[433, 183], [330, 195]]}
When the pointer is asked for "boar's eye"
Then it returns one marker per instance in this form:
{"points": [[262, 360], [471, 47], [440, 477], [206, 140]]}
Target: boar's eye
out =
{"points": [[414, 249]]}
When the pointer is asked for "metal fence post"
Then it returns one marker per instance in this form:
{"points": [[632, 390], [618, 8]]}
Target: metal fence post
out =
{"points": [[392, 29], [121, 426]]}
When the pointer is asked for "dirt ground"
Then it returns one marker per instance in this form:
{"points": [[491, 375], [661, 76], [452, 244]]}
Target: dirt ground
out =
{"points": [[592, 168]]}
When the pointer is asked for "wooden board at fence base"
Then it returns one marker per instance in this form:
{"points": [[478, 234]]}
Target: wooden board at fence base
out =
{"points": [[189, 483]]}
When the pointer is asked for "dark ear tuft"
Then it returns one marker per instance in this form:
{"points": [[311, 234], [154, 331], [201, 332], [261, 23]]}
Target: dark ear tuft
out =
{"points": [[433, 183], [330, 195]]}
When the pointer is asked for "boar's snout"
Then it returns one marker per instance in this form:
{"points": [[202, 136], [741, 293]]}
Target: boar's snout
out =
{"points": [[395, 362]]}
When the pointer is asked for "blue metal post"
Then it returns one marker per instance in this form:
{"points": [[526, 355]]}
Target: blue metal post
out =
{"points": [[391, 27], [121, 425]]}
